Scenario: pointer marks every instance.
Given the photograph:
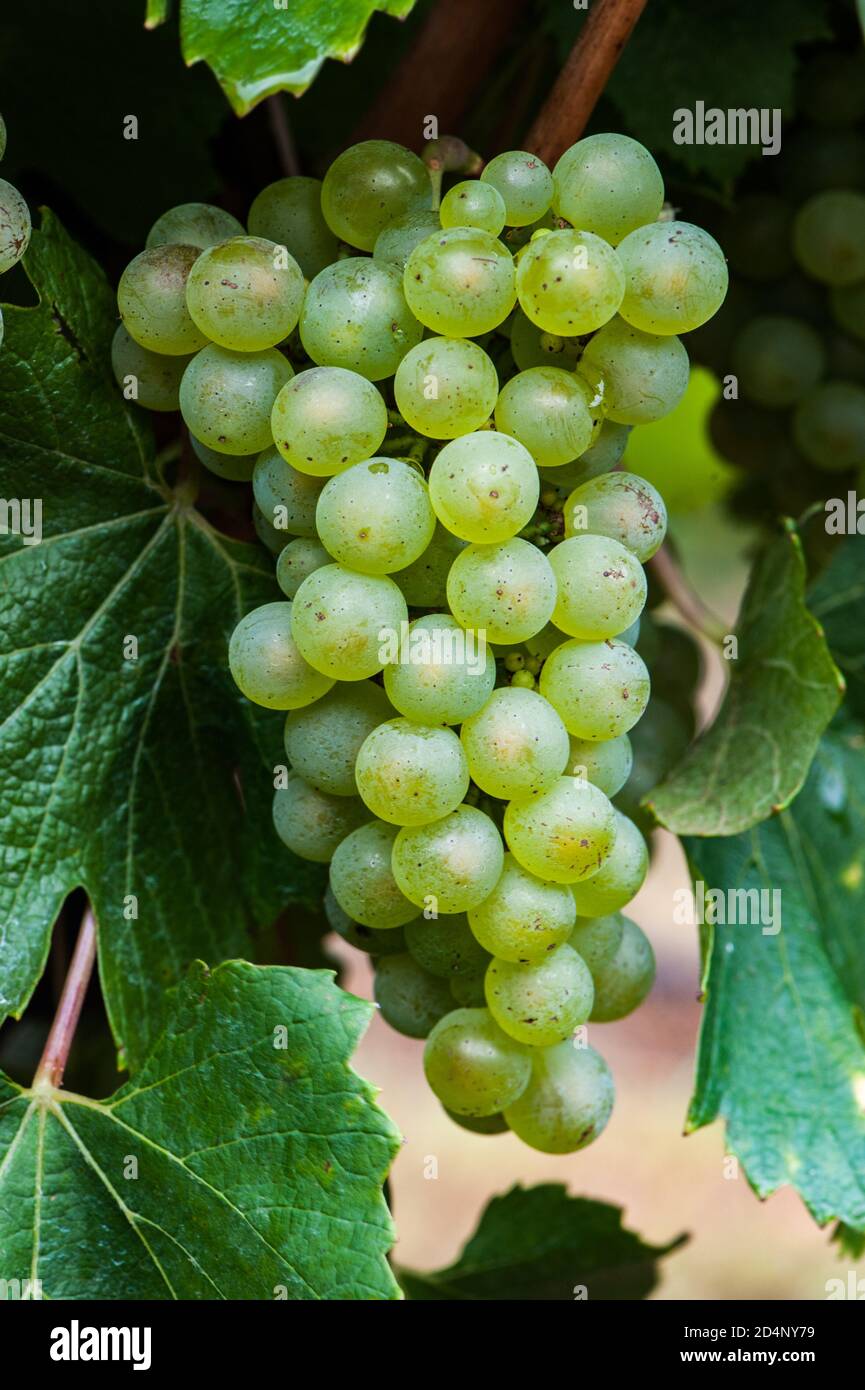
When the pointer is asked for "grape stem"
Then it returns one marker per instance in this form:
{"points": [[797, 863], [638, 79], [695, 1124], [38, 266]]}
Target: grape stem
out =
{"points": [[682, 596], [563, 116], [282, 136], [56, 1053]]}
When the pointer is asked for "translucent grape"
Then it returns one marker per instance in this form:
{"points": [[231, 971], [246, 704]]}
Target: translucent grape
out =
{"points": [[525, 184], [777, 359], [484, 487], [445, 387], [643, 376], [236, 468], [472, 1066], [524, 918], [373, 940], [532, 347], [564, 834], [341, 619], [193, 224], [451, 864], [368, 186], [567, 1102], [411, 999], [355, 316], [298, 559], [424, 583], [622, 506], [473, 204], [619, 878], [443, 674], [507, 591], [606, 765], [151, 296], [829, 237], [326, 418], [676, 277], [623, 981], [542, 1003], [226, 397], [600, 457], [395, 243], [376, 516], [460, 282], [362, 881], [289, 213], [569, 282], [322, 741], [312, 823], [597, 939], [601, 587], [266, 663], [600, 689], [446, 947], [829, 426], [411, 774], [516, 745], [607, 184], [287, 498], [245, 294], [548, 411], [150, 378]]}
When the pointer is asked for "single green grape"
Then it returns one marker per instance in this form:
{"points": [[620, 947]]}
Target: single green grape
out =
{"points": [[829, 237], [525, 184], [676, 277], [623, 981], [643, 376], [564, 834], [460, 282], [343, 621], [507, 591], [373, 940], [266, 663], [287, 498], [777, 359], [15, 229], [395, 242], [298, 559], [516, 745], [355, 316], [569, 282], [311, 822], [525, 917], [362, 881], [607, 184], [622, 506], [600, 689], [443, 674], [597, 939], [601, 587], [468, 989], [288, 212], [193, 224], [376, 517], [621, 875], [445, 946], [829, 426], [484, 487], [411, 999], [327, 418], [567, 1102], [474, 203], [547, 410], [451, 864], [472, 1066], [606, 765], [600, 457], [424, 582], [323, 740], [532, 347], [411, 774], [235, 468], [542, 1003], [368, 186], [151, 296], [245, 294], [446, 387], [150, 378], [226, 397]]}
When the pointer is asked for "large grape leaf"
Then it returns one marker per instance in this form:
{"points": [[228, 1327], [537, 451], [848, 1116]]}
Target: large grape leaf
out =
{"points": [[783, 690], [143, 780], [257, 50], [244, 1159], [837, 600], [781, 1055], [539, 1243]]}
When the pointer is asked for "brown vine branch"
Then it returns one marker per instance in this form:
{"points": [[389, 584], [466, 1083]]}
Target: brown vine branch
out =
{"points": [[682, 596], [56, 1053], [562, 119], [282, 136]]}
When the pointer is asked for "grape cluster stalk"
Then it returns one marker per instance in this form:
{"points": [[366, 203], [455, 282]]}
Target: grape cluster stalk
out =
{"points": [[461, 563], [15, 226]]}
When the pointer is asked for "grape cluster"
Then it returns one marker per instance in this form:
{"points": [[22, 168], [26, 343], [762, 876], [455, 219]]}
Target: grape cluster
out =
{"points": [[14, 222], [792, 331], [462, 569]]}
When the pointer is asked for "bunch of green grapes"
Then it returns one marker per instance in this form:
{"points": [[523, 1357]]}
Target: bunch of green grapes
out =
{"points": [[15, 225], [432, 424]]}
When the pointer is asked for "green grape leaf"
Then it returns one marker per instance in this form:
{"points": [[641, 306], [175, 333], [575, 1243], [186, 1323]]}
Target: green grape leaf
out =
{"points": [[256, 51], [539, 1243], [783, 690], [244, 1159], [837, 600], [130, 764], [781, 1056]]}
